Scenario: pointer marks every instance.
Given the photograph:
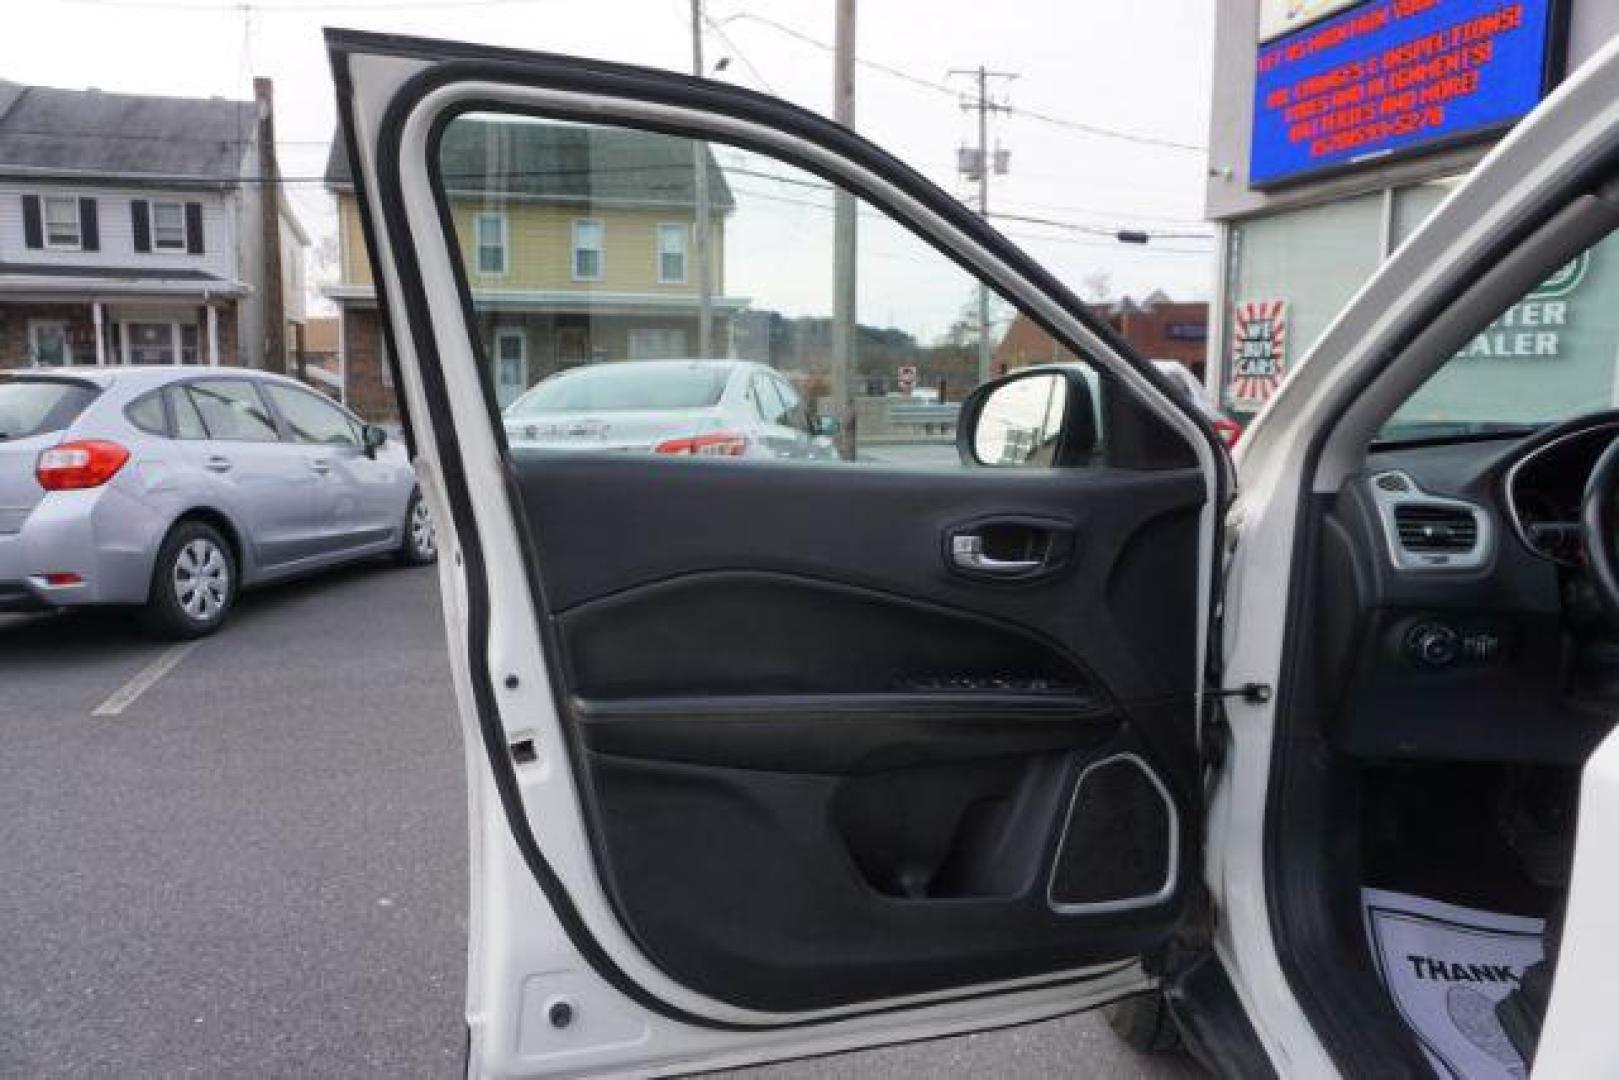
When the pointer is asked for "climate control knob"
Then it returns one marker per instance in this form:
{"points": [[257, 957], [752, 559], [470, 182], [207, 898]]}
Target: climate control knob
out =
{"points": [[1433, 645]]}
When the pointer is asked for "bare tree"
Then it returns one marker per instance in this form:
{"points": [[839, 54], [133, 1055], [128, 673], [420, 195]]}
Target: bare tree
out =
{"points": [[1096, 286]]}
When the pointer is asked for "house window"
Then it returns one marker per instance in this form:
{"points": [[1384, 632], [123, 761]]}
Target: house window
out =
{"points": [[656, 344], [672, 254], [588, 258], [491, 234], [168, 226], [62, 223], [48, 344], [160, 342]]}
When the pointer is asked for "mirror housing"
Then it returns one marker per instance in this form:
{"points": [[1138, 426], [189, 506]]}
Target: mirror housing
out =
{"points": [[1065, 440], [826, 426], [373, 437]]}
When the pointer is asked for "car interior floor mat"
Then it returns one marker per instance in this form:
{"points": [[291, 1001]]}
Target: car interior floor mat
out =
{"points": [[1523, 1011], [1447, 969]]}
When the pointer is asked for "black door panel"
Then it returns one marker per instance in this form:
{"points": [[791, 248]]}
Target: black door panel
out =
{"points": [[799, 891], [824, 765]]}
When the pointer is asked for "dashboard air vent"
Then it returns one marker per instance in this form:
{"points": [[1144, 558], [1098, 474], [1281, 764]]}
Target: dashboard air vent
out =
{"points": [[1439, 530], [1393, 481]]}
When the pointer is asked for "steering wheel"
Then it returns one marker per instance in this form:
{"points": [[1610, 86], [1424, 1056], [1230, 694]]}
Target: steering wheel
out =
{"points": [[1599, 528]]}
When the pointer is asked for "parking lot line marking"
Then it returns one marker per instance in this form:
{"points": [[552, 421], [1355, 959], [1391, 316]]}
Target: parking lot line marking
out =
{"points": [[146, 678]]}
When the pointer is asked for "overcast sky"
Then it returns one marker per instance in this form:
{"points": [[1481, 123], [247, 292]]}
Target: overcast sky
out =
{"points": [[1141, 68]]}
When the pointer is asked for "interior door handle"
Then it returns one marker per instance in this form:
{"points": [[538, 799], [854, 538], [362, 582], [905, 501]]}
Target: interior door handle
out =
{"points": [[967, 552], [218, 464]]}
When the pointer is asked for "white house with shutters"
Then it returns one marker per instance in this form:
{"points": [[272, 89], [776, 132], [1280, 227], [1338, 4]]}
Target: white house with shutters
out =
{"points": [[137, 230]]}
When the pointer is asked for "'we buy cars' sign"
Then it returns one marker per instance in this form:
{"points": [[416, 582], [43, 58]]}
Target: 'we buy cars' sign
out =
{"points": [[1392, 77]]}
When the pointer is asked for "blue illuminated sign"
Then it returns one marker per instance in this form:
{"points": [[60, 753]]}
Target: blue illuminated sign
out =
{"points": [[1390, 76]]}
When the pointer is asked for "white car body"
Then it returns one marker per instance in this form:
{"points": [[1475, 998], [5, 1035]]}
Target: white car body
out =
{"points": [[538, 1002]]}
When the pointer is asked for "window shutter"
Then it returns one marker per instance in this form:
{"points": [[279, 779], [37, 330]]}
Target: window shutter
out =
{"points": [[33, 229], [140, 223], [194, 227], [89, 227]]}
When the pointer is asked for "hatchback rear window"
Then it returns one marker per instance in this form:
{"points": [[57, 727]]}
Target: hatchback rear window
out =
{"points": [[40, 406], [611, 388]]}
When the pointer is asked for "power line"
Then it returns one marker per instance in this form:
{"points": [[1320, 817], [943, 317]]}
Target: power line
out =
{"points": [[942, 88], [740, 55], [1096, 230]]}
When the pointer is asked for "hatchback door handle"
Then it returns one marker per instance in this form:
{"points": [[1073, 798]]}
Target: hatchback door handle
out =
{"points": [[967, 552], [218, 464], [321, 466]]}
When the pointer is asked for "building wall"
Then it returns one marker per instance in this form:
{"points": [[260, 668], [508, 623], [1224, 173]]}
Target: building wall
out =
{"points": [[1312, 245], [1592, 24], [367, 391], [540, 247], [1167, 331], [114, 223]]}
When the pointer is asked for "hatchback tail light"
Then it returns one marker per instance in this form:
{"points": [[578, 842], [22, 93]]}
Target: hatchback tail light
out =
{"points": [[718, 444], [86, 463]]}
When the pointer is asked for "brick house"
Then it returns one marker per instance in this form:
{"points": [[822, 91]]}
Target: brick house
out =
{"points": [[567, 265], [1159, 328], [133, 230]]}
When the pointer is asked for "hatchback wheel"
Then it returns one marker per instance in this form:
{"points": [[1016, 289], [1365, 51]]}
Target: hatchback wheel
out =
{"points": [[194, 583], [418, 546]]}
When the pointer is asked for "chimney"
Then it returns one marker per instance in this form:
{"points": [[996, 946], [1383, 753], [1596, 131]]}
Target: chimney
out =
{"points": [[275, 307]]}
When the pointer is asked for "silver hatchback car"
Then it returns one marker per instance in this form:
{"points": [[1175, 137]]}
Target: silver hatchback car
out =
{"points": [[172, 489]]}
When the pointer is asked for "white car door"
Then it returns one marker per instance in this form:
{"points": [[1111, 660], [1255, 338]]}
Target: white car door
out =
{"points": [[769, 759]]}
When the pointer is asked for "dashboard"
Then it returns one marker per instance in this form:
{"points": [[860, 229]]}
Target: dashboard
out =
{"points": [[1448, 608]]}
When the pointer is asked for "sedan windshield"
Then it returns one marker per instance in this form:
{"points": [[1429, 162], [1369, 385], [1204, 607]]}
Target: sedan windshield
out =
{"points": [[36, 406], [624, 387]]}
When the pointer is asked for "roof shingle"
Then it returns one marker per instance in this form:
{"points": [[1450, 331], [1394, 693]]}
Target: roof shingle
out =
{"points": [[45, 130], [564, 161]]}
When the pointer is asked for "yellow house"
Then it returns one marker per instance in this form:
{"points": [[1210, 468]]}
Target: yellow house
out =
{"points": [[578, 245]]}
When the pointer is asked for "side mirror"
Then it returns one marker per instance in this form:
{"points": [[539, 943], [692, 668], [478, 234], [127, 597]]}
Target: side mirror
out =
{"points": [[373, 438], [826, 426], [1038, 418]]}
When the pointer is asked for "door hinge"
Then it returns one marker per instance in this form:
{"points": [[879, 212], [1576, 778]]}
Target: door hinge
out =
{"points": [[1254, 693]]}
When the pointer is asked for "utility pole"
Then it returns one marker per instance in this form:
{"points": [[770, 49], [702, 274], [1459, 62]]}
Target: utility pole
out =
{"points": [[979, 163], [845, 222], [705, 287]]}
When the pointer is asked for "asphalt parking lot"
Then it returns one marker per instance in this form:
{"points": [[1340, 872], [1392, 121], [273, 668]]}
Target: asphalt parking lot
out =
{"points": [[254, 866]]}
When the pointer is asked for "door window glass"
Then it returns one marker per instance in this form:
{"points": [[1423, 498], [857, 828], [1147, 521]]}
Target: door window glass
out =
{"points": [[1553, 355], [232, 409], [595, 211], [187, 420], [146, 412], [311, 419], [1290, 273]]}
